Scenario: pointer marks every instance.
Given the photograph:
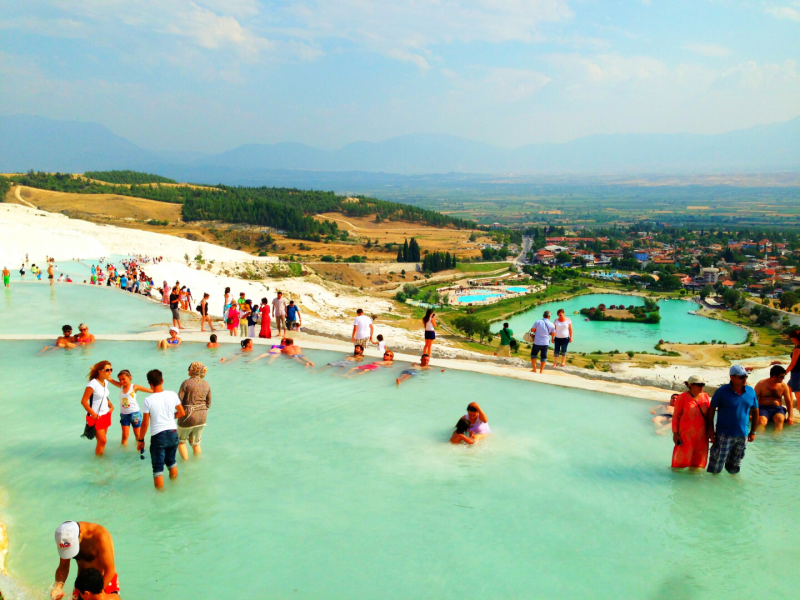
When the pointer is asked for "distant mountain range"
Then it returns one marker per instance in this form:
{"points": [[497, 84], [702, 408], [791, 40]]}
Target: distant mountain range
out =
{"points": [[38, 143]]}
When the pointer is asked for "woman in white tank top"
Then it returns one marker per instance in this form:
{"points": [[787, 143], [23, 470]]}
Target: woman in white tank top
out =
{"points": [[97, 404], [563, 337]]}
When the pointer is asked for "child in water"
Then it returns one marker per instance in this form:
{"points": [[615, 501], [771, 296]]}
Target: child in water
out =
{"points": [[462, 434]]}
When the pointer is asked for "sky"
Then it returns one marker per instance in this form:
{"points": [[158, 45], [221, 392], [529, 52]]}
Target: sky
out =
{"points": [[209, 75]]}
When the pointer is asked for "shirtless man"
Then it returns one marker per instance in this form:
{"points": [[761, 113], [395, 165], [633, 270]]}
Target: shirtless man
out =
{"points": [[290, 349], [83, 337], [771, 392], [6, 276], [415, 369], [92, 548], [50, 273], [66, 340]]}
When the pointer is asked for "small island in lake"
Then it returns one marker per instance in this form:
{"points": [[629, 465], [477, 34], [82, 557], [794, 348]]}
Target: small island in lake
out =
{"points": [[634, 314]]}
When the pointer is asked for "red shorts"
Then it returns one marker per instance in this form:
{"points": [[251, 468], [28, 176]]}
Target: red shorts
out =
{"points": [[103, 422], [111, 588]]}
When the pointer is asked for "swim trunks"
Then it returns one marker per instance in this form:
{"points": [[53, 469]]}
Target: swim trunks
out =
{"points": [[340, 363], [6, 279], [410, 372], [771, 411], [111, 588], [369, 367]]}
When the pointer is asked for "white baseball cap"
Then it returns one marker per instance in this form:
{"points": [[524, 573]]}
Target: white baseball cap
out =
{"points": [[68, 539], [175, 329]]}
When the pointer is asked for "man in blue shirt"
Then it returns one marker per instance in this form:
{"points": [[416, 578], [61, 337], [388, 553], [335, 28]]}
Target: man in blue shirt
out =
{"points": [[543, 331], [737, 406], [292, 316]]}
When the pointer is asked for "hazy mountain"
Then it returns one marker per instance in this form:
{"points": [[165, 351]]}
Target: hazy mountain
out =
{"points": [[39, 143], [46, 145]]}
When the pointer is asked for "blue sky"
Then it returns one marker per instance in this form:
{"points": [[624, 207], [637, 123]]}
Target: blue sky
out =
{"points": [[209, 75]]}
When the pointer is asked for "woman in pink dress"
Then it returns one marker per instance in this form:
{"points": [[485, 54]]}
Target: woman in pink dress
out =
{"points": [[232, 321], [165, 293], [689, 427], [265, 332]]}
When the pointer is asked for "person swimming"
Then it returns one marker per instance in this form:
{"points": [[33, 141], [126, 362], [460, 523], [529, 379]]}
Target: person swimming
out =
{"points": [[212, 341], [462, 434], [293, 351], [172, 340], [273, 352], [356, 356]]}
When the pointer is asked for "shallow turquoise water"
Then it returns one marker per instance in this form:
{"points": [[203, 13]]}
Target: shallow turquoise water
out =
{"points": [[354, 492], [41, 308], [518, 290], [477, 297], [676, 325]]}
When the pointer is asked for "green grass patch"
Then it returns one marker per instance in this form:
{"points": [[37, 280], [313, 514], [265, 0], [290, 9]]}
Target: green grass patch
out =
{"points": [[481, 267]]}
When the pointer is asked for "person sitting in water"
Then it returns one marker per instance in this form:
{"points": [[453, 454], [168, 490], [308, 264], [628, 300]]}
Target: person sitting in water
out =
{"points": [[247, 346], [462, 434], [771, 392], [290, 349], [478, 421], [172, 340], [388, 361], [663, 415], [415, 369], [83, 337], [212, 341], [357, 356]]}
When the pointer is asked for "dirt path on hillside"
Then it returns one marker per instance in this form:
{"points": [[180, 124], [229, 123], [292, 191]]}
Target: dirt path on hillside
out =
{"points": [[18, 194]]}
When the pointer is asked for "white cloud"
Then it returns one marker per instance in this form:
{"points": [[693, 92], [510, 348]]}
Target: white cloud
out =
{"points": [[784, 12], [406, 29], [750, 74], [710, 50]]}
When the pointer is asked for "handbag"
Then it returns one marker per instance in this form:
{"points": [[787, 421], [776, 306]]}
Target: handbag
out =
{"points": [[89, 431], [528, 337]]}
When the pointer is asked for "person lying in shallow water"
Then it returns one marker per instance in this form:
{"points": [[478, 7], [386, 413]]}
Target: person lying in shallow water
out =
{"points": [[462, 434], [273, 352], [415, 369], [356, 356], [388, 361], [172, 340], [663, 415], [294, 351], [247, 346]]}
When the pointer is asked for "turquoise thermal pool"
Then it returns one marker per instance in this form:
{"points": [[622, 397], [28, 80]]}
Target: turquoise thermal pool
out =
{"points": [[477, 297], [354, 492], [37, 307], [676, 325]]}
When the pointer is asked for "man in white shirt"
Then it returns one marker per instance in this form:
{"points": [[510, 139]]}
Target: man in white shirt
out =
{"points": [[160, 409], [279, 312], [543, 331], [362, 329]]}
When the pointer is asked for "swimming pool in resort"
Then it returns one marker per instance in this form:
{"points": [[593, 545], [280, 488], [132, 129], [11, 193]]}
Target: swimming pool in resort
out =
{"points": [[355, 493], [517, 290], [676, 325], [477, 297]]}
